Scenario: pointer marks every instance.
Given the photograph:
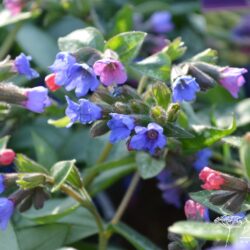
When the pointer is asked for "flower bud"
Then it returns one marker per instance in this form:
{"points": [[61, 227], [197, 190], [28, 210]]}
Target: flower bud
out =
{"points": [[7, 156], [50, 82], [11, 94], [138, 107], [27, 181], [205, 81], [102, 94], [173, 112], [39, 197], [194, 210], [209, 69], [123, 108], [99, 128], [158, 114]]}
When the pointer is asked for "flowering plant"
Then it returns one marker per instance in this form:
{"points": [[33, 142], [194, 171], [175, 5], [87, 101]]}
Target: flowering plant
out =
{"points": [[110, 103]]}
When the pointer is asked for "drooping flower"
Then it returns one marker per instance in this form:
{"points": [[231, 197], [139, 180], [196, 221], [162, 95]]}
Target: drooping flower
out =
{"points": [[212, 179], [22, 66], [84, 112], [6, 211], [83, 79], [62, 67], [37, 99], [194, 210], [170, 193], [202, 158], [231, 79], [50, 82], [185, 88], [14, 6], [7, 156], [161, 22], [110, 71], [148, 138], [120, 126], [2, 184]]}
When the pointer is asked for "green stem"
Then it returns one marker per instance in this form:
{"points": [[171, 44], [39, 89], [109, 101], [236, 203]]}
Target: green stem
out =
{"points": [[142, 84], [105, 153], [124, 203], [8, 42]]}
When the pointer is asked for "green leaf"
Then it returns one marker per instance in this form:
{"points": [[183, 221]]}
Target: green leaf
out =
{"points": [[8, 239], [26, 165], [37, 43], [205, 136], [6, 18], [133, 237], [245, 154], [156, 66], [173, 130], [162, 94], [123, 20], [175, 49], [60, 123], [52, 211], [61, 171], [88, 37], [3, 142], [126, 45], [201, 230], [109, 177], [148, 167], [45, 154]]}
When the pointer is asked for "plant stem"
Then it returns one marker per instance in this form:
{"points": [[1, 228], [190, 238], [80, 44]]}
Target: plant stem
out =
{"points": [[124, 203], [105, 153], [8, 42], [142, 84]]}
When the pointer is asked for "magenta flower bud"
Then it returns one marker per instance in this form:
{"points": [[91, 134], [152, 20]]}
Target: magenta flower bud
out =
{"points": [[110, 71], [213, 180], [37, 99], [231, 79], [194, 210], [7, 156]]}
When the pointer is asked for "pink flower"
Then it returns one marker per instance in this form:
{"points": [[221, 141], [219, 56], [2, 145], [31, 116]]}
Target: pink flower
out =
{"points": [[232, 79], [212, 179], [110, 71], [7, 156], [14, 6], [50, 82], [194, 210]]}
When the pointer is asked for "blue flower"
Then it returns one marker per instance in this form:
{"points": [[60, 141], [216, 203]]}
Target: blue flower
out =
{"points": [[185, 88], [170, 193], [22, 66], [121, 127], [202, 159], [82, 78], [37, 99], [2, 184], [84, 112], [241, 245], [6, 211], [150, 138], [161, 22], [62, 67]]}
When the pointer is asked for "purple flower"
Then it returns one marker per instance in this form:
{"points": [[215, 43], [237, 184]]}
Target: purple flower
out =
{"points": [[241, 33], [2, 184], [241, 245], [161, 22], [14, 6], [84, 112], [110, 71], [62, 67], [121, 127], [150, 138], [22, 66], [185, 88], [170, 194], [37, 99], [83, 79], [231, 79], [202, 159], [6, 211], [223, 4]]}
